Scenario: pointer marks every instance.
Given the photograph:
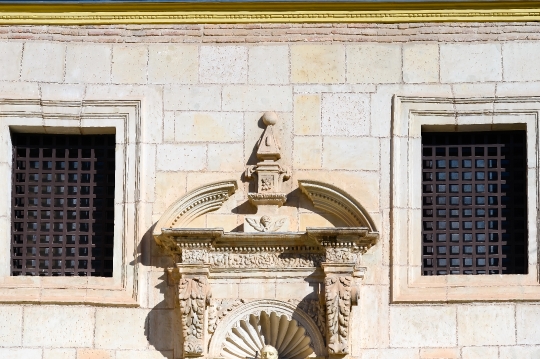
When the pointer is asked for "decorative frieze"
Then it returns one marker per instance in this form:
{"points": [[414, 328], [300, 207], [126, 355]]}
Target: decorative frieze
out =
{"points": [[263, 260]]}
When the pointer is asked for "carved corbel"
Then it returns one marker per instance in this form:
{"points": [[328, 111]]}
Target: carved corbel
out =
{"points": [[340, 294], [194, 296]]}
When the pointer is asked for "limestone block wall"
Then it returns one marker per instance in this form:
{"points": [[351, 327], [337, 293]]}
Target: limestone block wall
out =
{"points": [[203, 89]]}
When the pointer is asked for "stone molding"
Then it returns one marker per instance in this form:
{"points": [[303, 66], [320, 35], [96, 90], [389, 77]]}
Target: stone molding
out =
{"points": [[336, 201], [195, 203], [301, 12], [122, 117], [410, 116]]}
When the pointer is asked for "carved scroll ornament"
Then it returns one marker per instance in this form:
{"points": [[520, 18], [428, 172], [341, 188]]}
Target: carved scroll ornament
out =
{"points": [[338, 310], [193, 296]]}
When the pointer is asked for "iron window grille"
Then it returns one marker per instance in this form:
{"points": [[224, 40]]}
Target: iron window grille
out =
{"points": [[474, 203], [62, 220]]}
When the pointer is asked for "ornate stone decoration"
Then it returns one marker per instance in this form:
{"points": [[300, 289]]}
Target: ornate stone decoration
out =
{"points": [[250, 337], [238, 326]]}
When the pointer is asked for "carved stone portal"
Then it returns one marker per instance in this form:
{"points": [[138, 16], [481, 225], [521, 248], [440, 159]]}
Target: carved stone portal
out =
{"points": [[239, 325]]}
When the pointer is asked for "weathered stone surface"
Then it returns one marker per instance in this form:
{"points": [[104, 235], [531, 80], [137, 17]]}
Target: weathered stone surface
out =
{"points": [[58, 326], [351, 153], [374, 63], [520, 352], [479, 352], [59, 353], [409, 327], [223, 64], [307, 114], [308, 152], [130, 354], [208, 127], [11, 325], [192, 97], [89, 63], [268, 65], [94, 354], [133, 323], [49, 68], [257, 98], [225, 157], [470, 62], [486, 325], [10, 60], [20, 353], [527, 317], [129, 64], [176, 64], [181, 157], [517, 64], [317, 63], [345, 115], [420, 63]]}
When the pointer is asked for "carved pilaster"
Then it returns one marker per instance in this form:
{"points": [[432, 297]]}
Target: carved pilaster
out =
{"points": [[194, 295], [339, 296]]}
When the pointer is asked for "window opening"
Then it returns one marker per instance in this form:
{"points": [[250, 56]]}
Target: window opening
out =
{"points": [[474, 207], [62, 205]]}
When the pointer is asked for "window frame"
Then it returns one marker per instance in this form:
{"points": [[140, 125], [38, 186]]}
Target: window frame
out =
{"points": [[411, 115], [121, 118]]}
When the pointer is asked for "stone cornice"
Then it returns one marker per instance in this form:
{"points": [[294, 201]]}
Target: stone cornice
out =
{"points": [[267, 12]]}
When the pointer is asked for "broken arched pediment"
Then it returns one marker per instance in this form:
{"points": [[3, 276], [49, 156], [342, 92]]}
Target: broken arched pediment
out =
{"points": [[195, 203], [335, 201]]}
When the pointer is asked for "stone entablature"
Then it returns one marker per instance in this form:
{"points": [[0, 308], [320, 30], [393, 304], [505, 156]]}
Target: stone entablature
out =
{"points": [[296, 329]]}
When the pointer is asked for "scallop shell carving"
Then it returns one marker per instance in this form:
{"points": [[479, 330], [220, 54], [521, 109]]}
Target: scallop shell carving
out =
{"points": [[247, 338]]}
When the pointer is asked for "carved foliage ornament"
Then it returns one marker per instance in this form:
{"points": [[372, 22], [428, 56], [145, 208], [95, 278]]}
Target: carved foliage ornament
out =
{"points": [[338, 310], [265, 260], [193, 296]]}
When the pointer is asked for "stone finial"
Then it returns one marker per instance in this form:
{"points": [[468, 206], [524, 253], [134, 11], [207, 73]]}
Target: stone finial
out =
{"points": [[269, 174]]}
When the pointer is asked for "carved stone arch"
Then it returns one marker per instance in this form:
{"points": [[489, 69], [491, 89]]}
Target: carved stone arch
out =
{"points": [[195, 203], [243, 313], [334, 200]]}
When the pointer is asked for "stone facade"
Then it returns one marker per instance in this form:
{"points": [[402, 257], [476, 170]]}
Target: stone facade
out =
{"points": [[197, 94]]}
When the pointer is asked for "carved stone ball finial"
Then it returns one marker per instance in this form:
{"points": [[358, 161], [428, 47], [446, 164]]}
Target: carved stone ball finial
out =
{"points": [[269, 352], [270, 118]]}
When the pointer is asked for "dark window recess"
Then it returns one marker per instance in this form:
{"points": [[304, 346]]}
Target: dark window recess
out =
{"points": [[62, 221], [474, 203]]}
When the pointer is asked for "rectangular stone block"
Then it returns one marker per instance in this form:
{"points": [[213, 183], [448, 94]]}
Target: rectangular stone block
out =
{"points": [[268, 64], [420, 63], [132, 354], [11, 325], [10, 60], [225, 290], [307, 114], [371, 319], [221, 220], [390, 354], [374, 63], [423, 326], [257, 98], [314, 63], [227, 157], [470, 62], [192, 98], [307, 152], [88, 63], [345, 114], [223, 64], [59, 353], [43, 61], [133, 323], [517, 64], [351, 153], [208, 126], [185, 157], [479, 352], [439, 353], [161, 328], [252, 288], [287, 289], [312, 220], [168, 188], [173, 63], [486, 325], [20, 353], [94, 354], [129, 64], [527, 319], [528, 352], [58, 326]]}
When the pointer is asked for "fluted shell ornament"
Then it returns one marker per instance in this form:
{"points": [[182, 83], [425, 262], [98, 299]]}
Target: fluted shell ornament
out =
{"points": [[247, 338]]}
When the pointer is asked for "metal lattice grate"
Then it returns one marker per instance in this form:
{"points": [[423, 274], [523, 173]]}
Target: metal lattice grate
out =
{"points": [[62, 205], [474, 203]]}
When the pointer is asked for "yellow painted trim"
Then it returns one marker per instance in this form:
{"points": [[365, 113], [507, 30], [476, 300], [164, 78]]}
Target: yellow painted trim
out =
{"points": [[212, 13]]}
